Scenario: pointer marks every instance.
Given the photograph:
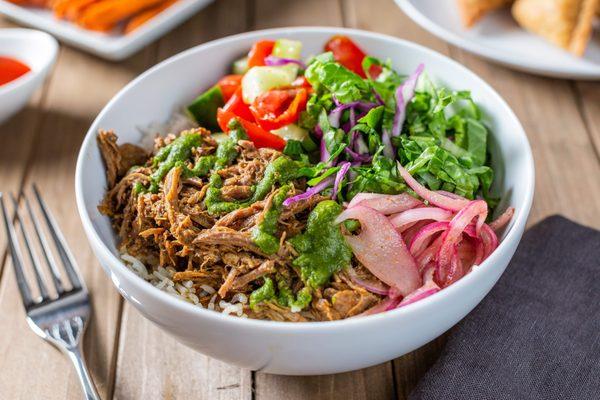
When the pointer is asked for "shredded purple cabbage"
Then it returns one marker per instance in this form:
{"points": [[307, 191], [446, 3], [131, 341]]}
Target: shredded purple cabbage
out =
{"points": [[325, 183], [388, 147], [347, 126], [279, 61], [345, 166], [318, 132], [324, 152], [360, 158], [404, 94], [378, 98], [353, 138], [336, 114], [360, 146]]}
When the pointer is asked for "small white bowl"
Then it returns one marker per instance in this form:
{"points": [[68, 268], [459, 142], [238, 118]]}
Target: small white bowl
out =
{"points": [[36, 49], [300, 348]]}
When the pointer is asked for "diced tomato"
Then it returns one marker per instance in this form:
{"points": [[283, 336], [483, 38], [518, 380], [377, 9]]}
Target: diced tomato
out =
{"points": [[374, 71], [259, 51], [229, 84], [236, 105], [258, 135], [277, 108], [347, 53]]}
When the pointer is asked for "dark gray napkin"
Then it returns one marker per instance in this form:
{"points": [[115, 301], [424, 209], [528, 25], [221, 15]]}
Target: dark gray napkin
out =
{"points": [[537, 334]]}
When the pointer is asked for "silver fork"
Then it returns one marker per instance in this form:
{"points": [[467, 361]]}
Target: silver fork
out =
{"points": [[60, 320]]}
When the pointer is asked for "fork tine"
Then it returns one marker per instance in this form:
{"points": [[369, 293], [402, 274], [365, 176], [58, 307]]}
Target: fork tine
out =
{"points": [[34, 261], [61, 243], [45, 249], [17, 258]]}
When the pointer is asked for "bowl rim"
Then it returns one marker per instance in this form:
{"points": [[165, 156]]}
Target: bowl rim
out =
{"points": [[102, 251], [32, 74]]}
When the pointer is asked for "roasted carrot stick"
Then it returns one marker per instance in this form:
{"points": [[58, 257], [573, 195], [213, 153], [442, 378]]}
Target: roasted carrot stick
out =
{"points": [[143, 17], [71, 9], [106, 14], [30, 3]]}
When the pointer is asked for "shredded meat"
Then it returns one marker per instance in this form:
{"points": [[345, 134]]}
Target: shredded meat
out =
{"points": [[227, 237], [173, 228], [236, 192], [118, 159], [265, 268]]}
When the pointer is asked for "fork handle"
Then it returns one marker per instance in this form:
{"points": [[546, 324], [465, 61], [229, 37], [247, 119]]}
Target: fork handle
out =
{"points": [[89, 389]]}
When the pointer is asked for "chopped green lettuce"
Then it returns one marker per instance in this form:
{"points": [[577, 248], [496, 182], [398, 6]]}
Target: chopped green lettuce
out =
{"points": [[325, 74], [379, 177]]}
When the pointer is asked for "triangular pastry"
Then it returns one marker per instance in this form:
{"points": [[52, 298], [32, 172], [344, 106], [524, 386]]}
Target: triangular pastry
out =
{"points": [[472, 11], [567, 23]]}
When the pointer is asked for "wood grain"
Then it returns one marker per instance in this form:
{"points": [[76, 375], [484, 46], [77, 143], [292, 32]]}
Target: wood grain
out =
{"points": [[588, 100], [385, 17], [71, 102], [132, 359], [16, 136], [370, 383], [152, 365]]}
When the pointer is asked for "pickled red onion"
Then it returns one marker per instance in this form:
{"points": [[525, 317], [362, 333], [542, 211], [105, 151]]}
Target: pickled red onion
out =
{"points": [[381, 249], [385, 203], [419, 214], [432, 197]]}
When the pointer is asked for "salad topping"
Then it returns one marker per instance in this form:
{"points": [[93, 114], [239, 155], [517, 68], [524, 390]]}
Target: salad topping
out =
{"points": [[339, 186]]}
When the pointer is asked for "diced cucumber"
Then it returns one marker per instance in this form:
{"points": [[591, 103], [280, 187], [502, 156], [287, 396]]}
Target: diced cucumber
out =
{"points": [[291, 131], [286, 48], [204, 108], [291, 69], [219, 137], [262, 79], [240, 67]]}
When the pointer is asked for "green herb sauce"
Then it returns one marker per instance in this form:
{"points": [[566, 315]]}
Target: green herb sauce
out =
{"points": [[202, 167], [264, 233], [226, 153], [286, 297], [174, 154], [280, 171], [322, 247], [264, 293]]}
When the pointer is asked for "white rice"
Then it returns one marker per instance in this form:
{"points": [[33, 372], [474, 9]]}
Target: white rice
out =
{"points": [[162, 278]]}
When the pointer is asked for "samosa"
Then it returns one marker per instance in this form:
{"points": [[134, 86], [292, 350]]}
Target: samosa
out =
{"points": [[472, 11], [567, 23]]}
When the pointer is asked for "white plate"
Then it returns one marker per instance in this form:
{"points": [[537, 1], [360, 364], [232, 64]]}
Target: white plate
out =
{"points": [[499, 38], [113, 47]]}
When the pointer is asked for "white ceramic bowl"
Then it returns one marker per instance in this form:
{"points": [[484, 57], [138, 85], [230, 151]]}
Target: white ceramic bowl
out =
{"points": [[36, 49], [299, 348]]}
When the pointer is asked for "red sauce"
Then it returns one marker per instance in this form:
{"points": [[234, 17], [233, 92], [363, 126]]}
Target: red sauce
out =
{"points": [[11, 69]]}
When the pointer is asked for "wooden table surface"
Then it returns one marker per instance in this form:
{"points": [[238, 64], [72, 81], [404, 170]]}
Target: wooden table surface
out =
{"points": [[128, 356]]}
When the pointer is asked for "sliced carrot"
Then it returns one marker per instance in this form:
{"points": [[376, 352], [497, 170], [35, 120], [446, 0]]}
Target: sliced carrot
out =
{"points": [[106, 14], [143, 17]]}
